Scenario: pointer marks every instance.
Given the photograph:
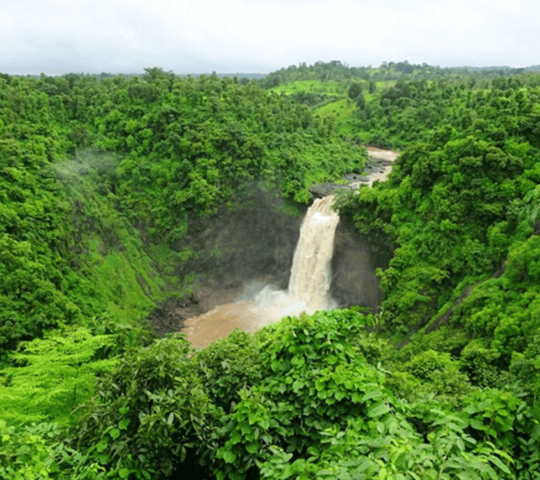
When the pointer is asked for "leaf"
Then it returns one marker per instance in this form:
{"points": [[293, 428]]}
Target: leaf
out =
{"points": [[252, 448], [298, 384], [123, 473], [183, 453], [229, 456], [171, 418], [123, 424], [102, 446], [378, 410], [497, 461], [285, 473], [371, 394], [477, 425], [320, 385], [246, 428], [236, 437], [114, 433]]}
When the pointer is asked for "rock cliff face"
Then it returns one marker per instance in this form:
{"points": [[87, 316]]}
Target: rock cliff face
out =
{"points": [[353, 270], [256, 240]]}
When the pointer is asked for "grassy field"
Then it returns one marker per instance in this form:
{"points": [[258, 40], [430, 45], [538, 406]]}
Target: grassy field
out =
{"points": [[342, 111], [331, 87], [339, 109]]}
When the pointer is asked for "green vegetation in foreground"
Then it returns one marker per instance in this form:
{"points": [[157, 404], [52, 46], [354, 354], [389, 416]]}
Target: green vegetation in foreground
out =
{"points": [[309, 397], [101, 181]]}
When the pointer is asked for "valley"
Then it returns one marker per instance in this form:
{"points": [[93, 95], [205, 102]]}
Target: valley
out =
{"points": [[215, 278]]}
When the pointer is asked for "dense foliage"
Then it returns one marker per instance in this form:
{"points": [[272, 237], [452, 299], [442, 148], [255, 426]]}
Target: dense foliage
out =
{"points": [[460, 195], [309, 397], [101, 180]]}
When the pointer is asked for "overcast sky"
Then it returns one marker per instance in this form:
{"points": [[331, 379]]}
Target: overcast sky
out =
{"points": [[230, 36]]}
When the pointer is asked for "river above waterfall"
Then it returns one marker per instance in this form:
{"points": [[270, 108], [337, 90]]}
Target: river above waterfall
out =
{"points": [[379, 172]]}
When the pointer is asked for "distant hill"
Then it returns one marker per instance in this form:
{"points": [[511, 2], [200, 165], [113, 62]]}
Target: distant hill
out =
{"points": [[532, 68], [250, 76], [387, 71], [476, 69]]}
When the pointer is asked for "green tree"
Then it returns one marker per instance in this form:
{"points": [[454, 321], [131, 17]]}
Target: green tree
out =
{"points": [[361, 101], [354, 90]]}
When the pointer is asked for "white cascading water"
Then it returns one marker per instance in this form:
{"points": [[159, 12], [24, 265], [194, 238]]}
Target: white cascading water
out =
{"points": [[310, 274], [309, 284]]}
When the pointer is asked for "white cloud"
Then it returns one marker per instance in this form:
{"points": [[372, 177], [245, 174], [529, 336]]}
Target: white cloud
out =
{"points": [[58, 36]]}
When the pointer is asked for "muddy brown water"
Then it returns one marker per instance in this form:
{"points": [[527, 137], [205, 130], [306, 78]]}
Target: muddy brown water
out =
{"points": [[220, 322]]}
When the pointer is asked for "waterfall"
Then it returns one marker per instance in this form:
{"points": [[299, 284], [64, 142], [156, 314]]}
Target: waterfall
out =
{"points": [[310, 274], [309, 284]]}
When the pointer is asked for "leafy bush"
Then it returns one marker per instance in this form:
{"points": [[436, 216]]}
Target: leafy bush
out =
{"points": [[24, 454], [308, 405], [49, 377], [149, 414]]}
